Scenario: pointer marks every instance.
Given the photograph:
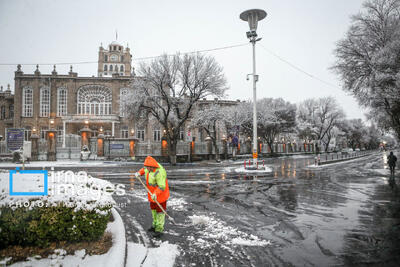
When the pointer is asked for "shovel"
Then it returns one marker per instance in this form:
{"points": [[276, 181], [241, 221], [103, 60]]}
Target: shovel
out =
{"points": [[159, 205]]}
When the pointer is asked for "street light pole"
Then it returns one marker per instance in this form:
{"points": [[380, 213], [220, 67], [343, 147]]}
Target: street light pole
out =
{"points": [[252, 16]]}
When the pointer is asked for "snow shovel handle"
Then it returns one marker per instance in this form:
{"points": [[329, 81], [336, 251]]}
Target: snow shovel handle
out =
{"points": [[159, 205]]}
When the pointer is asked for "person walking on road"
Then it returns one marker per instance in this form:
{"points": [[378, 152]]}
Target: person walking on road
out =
{"points": [[392, 162], [158, 191]]}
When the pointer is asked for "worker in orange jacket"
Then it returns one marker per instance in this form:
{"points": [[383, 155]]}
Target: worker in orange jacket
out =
{"points": [[157, 183]]}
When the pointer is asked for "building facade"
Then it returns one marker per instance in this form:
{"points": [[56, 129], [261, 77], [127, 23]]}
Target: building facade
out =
{"points": [[6, 110]]}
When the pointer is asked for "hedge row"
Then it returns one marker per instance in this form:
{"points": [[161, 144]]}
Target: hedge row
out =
{"points": [[41, 226]]}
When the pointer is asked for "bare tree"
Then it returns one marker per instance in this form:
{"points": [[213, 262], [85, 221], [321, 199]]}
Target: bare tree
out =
{"points": [[368, 59], [210, 118], [321, 115], [168, 89], [274, 116]]}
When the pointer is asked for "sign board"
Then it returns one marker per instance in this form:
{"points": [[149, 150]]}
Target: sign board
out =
{"points": [[189, 136], [254, 155], [15, 138], [117, 146]]}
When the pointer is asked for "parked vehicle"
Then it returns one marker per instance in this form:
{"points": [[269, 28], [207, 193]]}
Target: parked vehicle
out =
{"points": [[357, 149]]}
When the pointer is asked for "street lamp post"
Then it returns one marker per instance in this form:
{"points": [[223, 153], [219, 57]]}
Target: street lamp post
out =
{"points": [[252, 16]]}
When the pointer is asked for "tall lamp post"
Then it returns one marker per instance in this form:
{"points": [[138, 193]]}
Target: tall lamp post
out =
{"points": [[252, 16]]}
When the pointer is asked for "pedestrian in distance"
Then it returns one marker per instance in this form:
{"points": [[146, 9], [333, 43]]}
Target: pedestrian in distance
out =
{"points": [[392, 162], [158, 193]]}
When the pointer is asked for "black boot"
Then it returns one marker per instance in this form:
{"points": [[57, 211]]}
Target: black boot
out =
{"points": [[157, 234], [151, 229]]}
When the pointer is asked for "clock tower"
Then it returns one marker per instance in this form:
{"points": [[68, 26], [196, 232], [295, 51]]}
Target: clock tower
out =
{"points": [[114, 60]]}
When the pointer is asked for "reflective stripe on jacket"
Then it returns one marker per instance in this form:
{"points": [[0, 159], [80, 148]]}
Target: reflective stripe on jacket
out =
{"points": [[157, 183]]}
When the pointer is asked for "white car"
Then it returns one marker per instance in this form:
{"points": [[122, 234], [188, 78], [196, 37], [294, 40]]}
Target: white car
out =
{"points": [[357, 149]]}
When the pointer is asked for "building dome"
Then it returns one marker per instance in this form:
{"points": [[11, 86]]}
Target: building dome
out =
{"points": [[115, 43]]}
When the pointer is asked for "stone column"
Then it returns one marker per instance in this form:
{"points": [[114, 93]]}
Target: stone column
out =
{"points": [[132, 147], [100, 145], [51, 144], [85, 134], [64, 130], [35, 147], [224, 148], [209, 147], [164, 147], [112, 128]]}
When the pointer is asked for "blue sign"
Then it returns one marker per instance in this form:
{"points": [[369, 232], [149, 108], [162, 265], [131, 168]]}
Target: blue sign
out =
{"points": [[28, 173], [117, 146], [15, 138]]}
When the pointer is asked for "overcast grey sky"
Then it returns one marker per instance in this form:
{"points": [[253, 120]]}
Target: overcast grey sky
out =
{"points": [[301, 32]]}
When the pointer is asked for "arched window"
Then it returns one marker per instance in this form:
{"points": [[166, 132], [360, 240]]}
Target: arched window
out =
{"points": [[121, 69], [44, 102], [94, 100], [61, 101], [123, 92], [27, 102], [111, 67], [3, 112], [105, 67]]}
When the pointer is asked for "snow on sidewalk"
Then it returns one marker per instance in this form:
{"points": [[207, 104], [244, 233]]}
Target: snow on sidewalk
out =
{"points": [[114, 257], [162, 256]]}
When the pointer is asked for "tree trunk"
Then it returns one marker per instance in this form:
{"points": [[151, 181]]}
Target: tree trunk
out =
{"points": [[271, 147], [172, 152], [216, 151]]}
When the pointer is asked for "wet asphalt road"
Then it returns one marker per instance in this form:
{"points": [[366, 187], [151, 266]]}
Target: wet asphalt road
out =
{"points": [[345, 214]]}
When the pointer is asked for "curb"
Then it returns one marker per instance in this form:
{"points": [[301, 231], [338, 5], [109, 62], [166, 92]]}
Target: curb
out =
{"points": [[119, 242]]}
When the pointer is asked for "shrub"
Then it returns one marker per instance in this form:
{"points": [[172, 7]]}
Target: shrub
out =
{"points": [[41, 225]]}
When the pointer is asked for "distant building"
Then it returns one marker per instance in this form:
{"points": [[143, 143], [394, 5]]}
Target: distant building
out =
{"points": [[68, 102], [6, 110]]}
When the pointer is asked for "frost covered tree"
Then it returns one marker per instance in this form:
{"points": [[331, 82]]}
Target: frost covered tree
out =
{"points": [[210, 119], [274, 116], [318, 119], [169, 87], [368, 59], [355, 132]]}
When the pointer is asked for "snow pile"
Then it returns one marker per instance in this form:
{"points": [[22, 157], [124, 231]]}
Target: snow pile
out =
{"points": [[243, 170], [114, 257], [162, 256], [215, 230], [75, 190], [177, 203]]}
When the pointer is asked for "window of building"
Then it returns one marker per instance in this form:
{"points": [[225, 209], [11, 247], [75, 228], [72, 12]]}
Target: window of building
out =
{"points": [[44, 102], [27, 133], [3, 112], [157, 135], [105, 58], [61, 101], [11, 113], [43, 132], [121, 69], [60, 134], [27, 102], [111, 67], [123, 92], [94, 100], [181, 134], [119, 48], [105, 67], [124, 132], [140, 134]]}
